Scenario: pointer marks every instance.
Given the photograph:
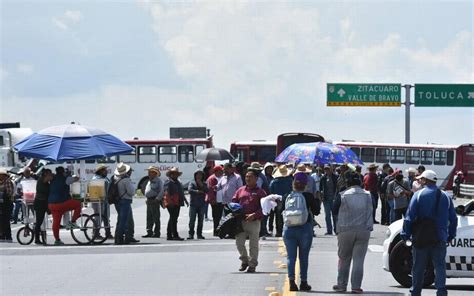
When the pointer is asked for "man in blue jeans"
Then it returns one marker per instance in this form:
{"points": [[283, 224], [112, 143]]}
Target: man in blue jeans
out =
{"points": [[328, 189], [423, 205]]}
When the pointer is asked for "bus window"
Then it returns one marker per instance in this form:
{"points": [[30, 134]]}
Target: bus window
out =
{"points": [[90, 161], [450, 158], [367, 154], [383, 155], [440, 157], [2, 143], [107, 160], [197, 150], [427, 157], [356, 150], [240, 156], [147, 154], [128, 158], [167, 153], [413, 156], [253, 155], [185, 153], [267, 153], [398, 156]]}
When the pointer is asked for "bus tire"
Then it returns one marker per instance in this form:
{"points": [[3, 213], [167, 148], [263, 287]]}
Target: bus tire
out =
{"points": [[401, 262]]}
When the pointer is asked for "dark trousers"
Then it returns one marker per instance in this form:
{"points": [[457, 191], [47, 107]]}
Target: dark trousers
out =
{"points": [[263, 226], [41, 207], [17, 209], [196, 211], [385, 219], [279, 220], [153, 216], [271, 219], [375, 202], [172, 230], [217, 214], [400, 213], [129, 223], [5, 214]]}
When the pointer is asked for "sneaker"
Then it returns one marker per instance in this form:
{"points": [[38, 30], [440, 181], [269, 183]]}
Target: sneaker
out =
{"points": [[147, 235], [293, 286], [251, 269], [190, 237], [328, 233], [243, 267], [58, 243], [336, 288], [157, 235], [201, 237], [72, 225], [357, 291], [110, 236], [304, 286], [132, 240]]}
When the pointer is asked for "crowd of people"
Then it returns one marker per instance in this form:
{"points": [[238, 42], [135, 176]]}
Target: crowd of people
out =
{"points": [[350, 200]]}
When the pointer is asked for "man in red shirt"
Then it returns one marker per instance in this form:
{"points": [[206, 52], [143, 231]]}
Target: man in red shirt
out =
{"points": [[248, 197], [370, 184]]}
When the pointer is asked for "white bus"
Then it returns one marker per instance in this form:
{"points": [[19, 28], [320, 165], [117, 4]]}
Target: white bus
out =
{"points": [[8, 138]]}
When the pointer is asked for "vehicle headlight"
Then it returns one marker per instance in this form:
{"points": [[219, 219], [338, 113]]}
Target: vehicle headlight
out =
{"points": [[388, 233]]}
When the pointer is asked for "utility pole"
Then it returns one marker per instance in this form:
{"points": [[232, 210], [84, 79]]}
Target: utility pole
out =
{"points": [[407, 112]]}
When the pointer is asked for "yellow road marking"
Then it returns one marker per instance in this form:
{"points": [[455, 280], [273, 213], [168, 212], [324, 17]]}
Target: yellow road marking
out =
{"points": [[270, 289], [273, 274], [277, 262]]}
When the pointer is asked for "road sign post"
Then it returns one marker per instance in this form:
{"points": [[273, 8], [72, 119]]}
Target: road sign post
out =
{"points": [[364, 94], [444, 95]]}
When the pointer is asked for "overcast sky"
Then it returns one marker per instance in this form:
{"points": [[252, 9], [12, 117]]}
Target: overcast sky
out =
{"points": [[245, 69]]}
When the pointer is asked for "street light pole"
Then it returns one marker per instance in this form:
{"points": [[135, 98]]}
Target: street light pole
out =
{"points": [[407, 112]]}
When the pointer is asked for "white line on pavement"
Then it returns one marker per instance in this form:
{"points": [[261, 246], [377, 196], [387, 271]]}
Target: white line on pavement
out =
{"points": [[376, 248]]}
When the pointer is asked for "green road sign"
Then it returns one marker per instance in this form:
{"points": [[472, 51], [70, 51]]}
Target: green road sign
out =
{"points": [[364, 94], [444, 95]]}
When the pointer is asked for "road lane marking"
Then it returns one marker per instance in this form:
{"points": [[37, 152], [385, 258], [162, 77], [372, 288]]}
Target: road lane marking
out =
{"points": [[270, 289], [376, 248], [158, 245]]}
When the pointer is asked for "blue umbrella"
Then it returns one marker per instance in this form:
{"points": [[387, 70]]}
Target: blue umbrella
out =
{"points": [[71, 142], [318, 153]]}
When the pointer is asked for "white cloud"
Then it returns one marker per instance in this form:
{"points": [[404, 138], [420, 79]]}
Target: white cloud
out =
{"points": [[25, 69], [3, 74], [67, 20]]}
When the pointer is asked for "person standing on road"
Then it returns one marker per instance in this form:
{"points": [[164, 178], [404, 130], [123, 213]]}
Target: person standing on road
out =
{"points": [[197, 203], [126, 192], [229, 183], [328, 193], [385, 208], [214, 199], [101, 174], [281, 185], [41, 201], [388, 194], [154, 195], [400, 191], [172, 187], [354, 224], [424, 204], [370, 184], [6, 201], [298, 239], [26, 175], [60, 201], [248, 197]]}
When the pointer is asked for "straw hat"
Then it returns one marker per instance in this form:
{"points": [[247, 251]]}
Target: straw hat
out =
{"points": [[372, 166], [411, 170], [255, 166], [122, 169], [154, 169], [301, 168], [100, 167], [282, 171], [173, 170]]}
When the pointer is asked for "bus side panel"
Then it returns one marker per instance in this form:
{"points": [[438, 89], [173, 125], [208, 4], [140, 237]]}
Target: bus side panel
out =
{"points": [[466, 162]]}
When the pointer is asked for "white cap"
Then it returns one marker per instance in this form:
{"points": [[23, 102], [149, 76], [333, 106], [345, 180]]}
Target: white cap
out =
{"points": [[428, 174]]}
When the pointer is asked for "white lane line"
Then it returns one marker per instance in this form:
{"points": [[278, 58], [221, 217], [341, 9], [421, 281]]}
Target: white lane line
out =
{"points": [[160, 245], [376, 248]]}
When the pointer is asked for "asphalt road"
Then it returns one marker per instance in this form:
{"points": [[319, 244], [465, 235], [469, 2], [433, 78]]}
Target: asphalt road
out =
{"points": [[156, 266]]}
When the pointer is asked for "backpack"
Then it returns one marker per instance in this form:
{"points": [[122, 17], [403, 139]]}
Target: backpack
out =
{"points": [[296, 212], [113, 196]]}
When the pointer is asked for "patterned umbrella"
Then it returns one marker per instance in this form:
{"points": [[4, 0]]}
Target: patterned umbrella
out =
{"points": [[318, 153]]}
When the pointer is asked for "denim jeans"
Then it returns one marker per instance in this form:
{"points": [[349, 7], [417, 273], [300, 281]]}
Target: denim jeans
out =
{"points": [[328, 205], [391, 205], [124, 209], [199, 212], [421, 258], [17, 209], [375, 202], [298, 240]]}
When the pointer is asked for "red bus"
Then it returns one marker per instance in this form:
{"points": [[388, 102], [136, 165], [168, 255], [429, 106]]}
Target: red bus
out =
{"points": [[257, 150], [287, 139]]}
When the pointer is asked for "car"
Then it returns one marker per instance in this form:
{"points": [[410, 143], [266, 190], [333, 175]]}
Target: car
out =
{"points": [[397, 256]]}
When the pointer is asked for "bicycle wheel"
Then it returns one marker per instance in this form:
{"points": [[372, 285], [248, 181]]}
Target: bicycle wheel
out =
{"points": [[25, 235], [98, 234], [81, 235]]}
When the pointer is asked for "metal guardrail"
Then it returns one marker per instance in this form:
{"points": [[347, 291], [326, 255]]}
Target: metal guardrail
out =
{"points": [[467, 190]]}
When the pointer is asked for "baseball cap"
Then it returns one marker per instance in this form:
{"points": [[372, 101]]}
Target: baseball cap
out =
{"points": [[428, 174]]}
